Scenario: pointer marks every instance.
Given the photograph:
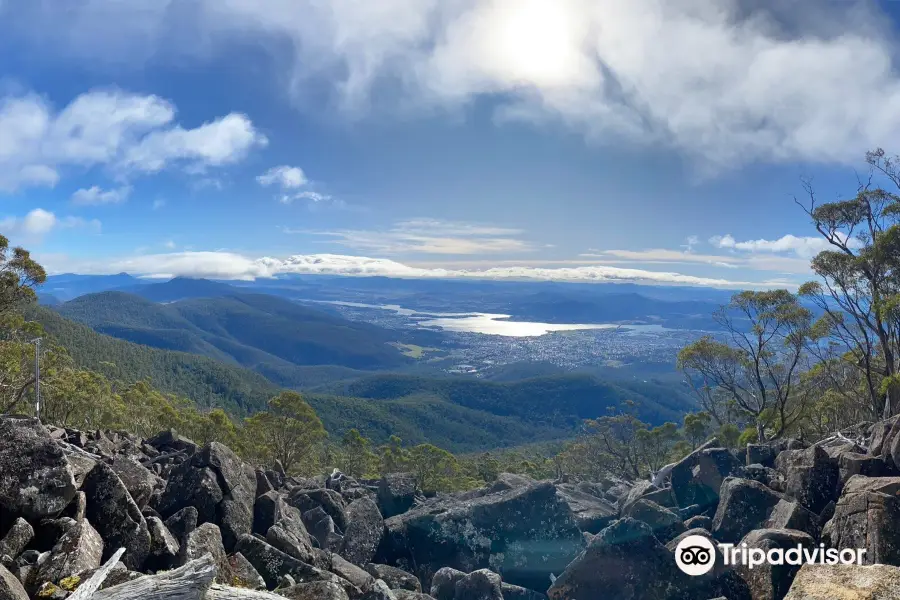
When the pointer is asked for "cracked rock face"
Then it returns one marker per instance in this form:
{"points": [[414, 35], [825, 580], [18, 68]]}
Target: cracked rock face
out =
{"points": [[824, 582], [867, 515], [525, 534], [111, 509], [219, 485], [79, 549], [36, 480]]}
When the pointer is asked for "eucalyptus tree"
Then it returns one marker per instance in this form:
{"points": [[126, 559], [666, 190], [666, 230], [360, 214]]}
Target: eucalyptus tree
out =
{"points": [[757, 369], [858, 290]]}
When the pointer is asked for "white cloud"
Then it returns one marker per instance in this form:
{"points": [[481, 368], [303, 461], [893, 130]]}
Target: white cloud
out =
{"points": [[170, 244], [430, 236], [220, 142], [285, 177], [158, 203], [658, 255], [718, 80], [804, 247], [307, 195], [128, 133], [39, 222], [96, 195], [230, 265], [795, 265]]}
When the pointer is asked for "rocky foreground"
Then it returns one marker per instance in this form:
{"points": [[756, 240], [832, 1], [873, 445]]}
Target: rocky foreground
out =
{"points": [[108, 516]]}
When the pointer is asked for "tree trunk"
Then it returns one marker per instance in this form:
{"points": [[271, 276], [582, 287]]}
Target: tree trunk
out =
{"points": [[760, 431]]}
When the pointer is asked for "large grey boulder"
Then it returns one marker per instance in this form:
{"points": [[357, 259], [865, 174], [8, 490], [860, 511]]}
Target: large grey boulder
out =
{"points": [[243, 574], [116, 517], [36, 480], [273, 564], [394, 577], [443, 584], [17, 538], [790, 514], [219, 485], [207, 539], [768, 581], [880, 439], [189, 486], [352, 573], [181, 524], [645, 489], [364, 531], [396, 493], [811, 476], [164, 548], [138, 480], [237, 481], [329, 500], [288, 540], [855, 463], [697, 477], [479, 585], [744, 505], [79, 549], [665, 523], [867, 515], [379, 591], [592, 512], [524, 534], [10, 587], [624, 560], [316, 590], [845, 582]]}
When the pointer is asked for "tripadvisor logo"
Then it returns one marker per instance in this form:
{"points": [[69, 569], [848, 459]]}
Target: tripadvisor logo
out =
{"points": [[696, 555]]}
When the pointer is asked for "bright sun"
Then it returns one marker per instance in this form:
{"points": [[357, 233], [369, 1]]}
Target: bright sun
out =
{"points": [[537, 41]]}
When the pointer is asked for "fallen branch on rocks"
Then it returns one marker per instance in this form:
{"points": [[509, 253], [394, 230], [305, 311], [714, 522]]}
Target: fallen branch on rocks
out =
{"points": [[224, 592], [660, 478], [838, 438], [189, 582], [163, 457], [86, 590], [73, 449]]}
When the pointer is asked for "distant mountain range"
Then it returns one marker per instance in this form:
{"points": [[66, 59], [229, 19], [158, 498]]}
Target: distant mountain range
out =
{"points": [[677, 307]]}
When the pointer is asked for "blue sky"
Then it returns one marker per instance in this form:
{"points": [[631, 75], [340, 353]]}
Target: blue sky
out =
{"points": [[585, 140]]}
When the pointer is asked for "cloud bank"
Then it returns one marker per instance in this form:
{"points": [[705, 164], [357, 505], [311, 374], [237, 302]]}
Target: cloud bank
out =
{"points": [[720, 81], [230, 265]]}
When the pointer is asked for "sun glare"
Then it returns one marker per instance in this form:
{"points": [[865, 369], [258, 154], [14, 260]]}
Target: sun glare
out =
{"points": [[537, 41]]}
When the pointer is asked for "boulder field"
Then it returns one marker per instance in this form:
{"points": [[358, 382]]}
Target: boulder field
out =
{"points": [[109, 516]]}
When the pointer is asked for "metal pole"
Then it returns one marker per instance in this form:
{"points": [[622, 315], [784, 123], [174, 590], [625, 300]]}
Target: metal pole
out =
{"points": [[37, 378]]}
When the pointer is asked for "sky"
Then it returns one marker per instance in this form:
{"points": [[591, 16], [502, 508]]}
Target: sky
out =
{"points": [[653, 141]]}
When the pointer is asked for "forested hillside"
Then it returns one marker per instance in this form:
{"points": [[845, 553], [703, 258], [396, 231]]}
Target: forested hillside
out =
{"points": [[555, 401], [267, 334], [209, 383]]}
